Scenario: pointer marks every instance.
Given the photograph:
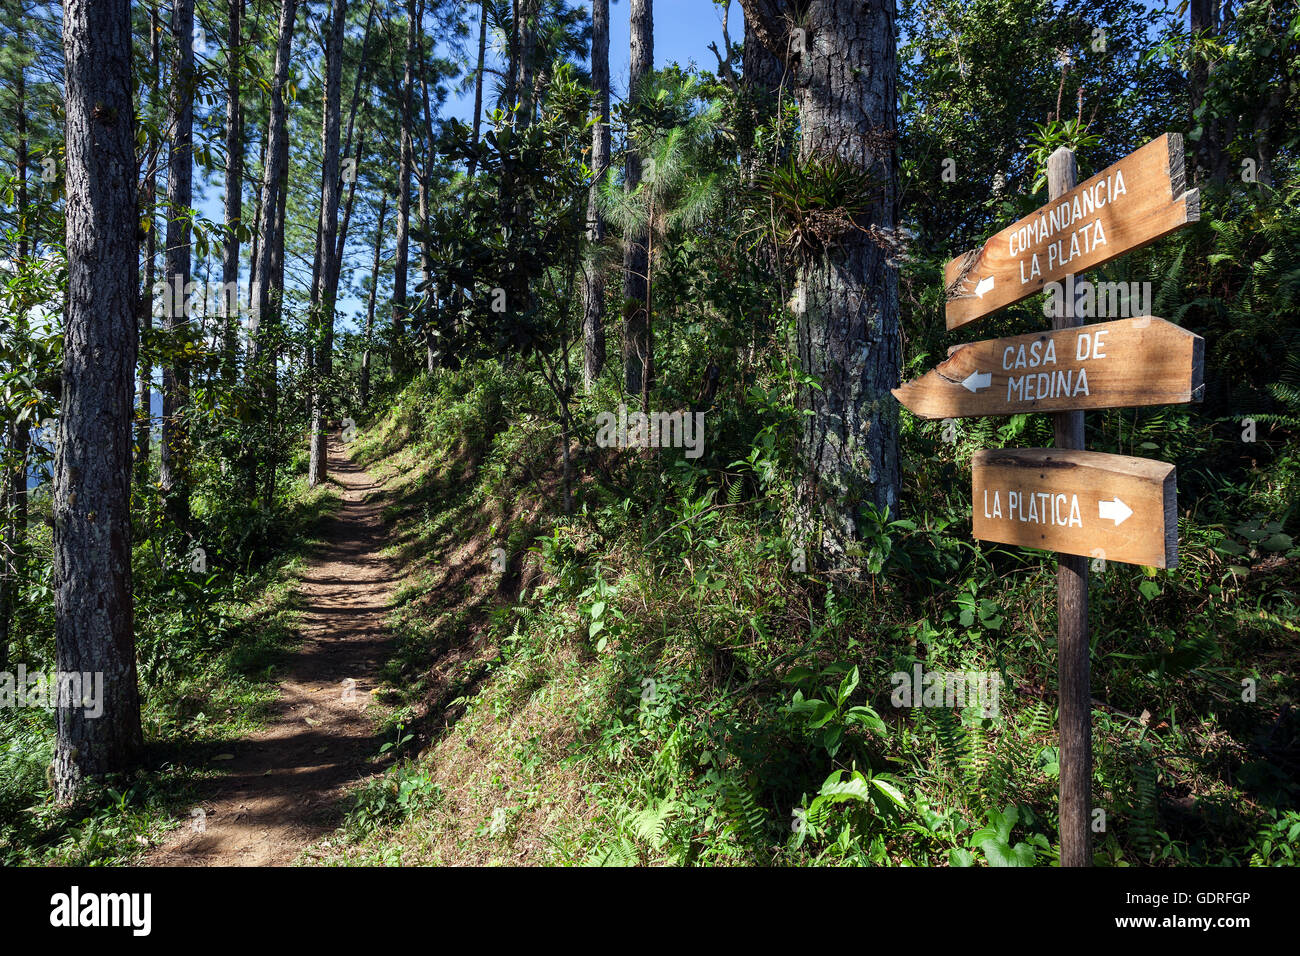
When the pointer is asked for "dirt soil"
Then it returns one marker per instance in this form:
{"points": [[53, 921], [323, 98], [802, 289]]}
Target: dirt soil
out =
{"points": [[282, 785]]}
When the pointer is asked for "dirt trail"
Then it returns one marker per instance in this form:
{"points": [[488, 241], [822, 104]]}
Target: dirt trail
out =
{"points": [[279, 792]]}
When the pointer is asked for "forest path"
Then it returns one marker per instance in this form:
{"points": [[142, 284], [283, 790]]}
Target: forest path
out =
{"points": [[281, 789]]}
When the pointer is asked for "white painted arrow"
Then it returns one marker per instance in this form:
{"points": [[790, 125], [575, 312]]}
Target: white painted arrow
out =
{"points": [[984, 285], [977, 380], [1115, 510]]}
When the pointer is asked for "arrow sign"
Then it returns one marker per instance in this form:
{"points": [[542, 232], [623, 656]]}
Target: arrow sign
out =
{"points": [[1120, 364], [1115, 510], [1126, 206], [1077, 502]]}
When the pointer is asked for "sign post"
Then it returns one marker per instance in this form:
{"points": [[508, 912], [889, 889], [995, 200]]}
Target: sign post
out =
{"points": [[1121, 364], [1077, 503], [1074, 681], [1124, 207]]}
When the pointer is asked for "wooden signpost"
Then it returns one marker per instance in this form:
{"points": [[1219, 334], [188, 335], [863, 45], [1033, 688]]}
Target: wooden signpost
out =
{"points": [[1121, 364], [1124, 207], [1078, 503]]}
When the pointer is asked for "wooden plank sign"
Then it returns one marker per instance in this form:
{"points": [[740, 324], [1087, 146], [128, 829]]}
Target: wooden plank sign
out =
{"points": [[1128, 362], [1126, 206], [1077, 502]]}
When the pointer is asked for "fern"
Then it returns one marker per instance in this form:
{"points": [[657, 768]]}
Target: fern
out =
{"points": [[618, 852], [649, 825], [1143, 807], [747, 818]]}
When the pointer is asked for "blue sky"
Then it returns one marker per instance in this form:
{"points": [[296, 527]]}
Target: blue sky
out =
{"points": [[683, 30]]}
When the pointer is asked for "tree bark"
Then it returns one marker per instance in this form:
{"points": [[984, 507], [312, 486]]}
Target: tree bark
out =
{"points": [[593, 322], [94, 627], [478, 85], [1205, 19], [271, 393], [255, 253], [144, 425], [637, 360], [174, 477], [347, 147], [762, 76], [324, 295], [273, 175], [13, 497], [234, 204], [846, 298], [512, 59], [402, 263], [370, 305], [267, 288], [527, 54], [425, 181]]}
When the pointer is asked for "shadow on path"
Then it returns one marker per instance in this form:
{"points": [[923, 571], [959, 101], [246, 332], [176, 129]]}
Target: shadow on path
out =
{"points": [[282, 787]]}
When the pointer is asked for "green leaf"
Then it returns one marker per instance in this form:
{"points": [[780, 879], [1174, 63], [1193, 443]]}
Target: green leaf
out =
{"points": [[889, 790], [867, 718], [846, 686], [836, 791], [1276, 542]]}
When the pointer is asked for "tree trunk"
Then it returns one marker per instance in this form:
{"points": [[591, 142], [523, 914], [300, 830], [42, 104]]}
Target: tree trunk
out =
{"points": [[20, 107], [324, 295], [347, 147], [846, 297], [370, 305], [263, 321], [255, 254], [13, 497], [637, 361], [425, 180], [272, 177], [527, 54], [1211, 158], [271, 398], [234, 206], [144, 425], [593, 322], [478, 83], [174, 476], [763, 73], [512, 58], [396, 355], [9, 478], [341, 242], [92, 492]]}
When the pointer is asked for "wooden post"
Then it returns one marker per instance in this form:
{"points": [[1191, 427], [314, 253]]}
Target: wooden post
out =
{"points": [[1073, 664]]}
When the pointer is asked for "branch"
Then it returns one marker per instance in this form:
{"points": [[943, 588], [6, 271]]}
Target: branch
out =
{"points": [[764, 18], [724, 64]]}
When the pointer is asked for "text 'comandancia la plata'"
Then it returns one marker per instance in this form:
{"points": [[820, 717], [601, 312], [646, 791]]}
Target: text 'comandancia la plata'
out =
{"points": [[1061, 216]]}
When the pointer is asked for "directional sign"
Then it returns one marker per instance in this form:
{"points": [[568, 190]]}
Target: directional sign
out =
{"points": [[1120, 364], [1077, 502], [1141, 198]]}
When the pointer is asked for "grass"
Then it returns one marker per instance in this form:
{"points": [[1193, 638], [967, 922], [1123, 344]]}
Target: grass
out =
{"points": [[529, 689], [198, 700]]}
